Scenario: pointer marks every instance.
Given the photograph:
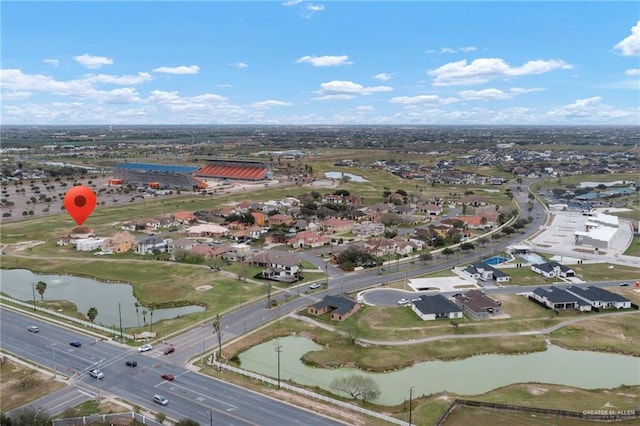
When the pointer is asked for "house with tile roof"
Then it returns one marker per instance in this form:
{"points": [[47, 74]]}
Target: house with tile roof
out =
{"points": [[478, 305]]}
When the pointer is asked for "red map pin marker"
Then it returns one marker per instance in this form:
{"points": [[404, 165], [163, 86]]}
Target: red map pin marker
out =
{"points": [[80, 202]]}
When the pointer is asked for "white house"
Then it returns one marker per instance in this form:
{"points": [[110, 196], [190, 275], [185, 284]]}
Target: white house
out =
{"points": [[600, 298], [89, 244], [553, 269]]}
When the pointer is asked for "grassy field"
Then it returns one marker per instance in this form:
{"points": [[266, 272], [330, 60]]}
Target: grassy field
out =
{"points": [[634, 248], [20, 385], [603, 272]]}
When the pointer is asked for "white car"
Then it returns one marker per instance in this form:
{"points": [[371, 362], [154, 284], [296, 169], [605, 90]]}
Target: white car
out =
{"points": [[314, 286], [403, 301], [145, 348], [96, 373]]}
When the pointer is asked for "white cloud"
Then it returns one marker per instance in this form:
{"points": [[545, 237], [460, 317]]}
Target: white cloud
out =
{"points": [[224, 85], [593, 109], [465, 49], [338, 89], [15, 96], [324, 61], [468, 49], [291, 3], [93, 62], [365, 108], [270, 103], [183, 69], [486, 69], [383, 76], [495, 94], [632, 71], [422, 99], [51, 61], [238, 65], [311, 9], [447, 50], [630, 46], [124, 80]]}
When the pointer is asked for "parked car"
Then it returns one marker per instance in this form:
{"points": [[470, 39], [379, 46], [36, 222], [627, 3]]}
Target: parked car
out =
{"points": [[168, 350], [75, 344], [168, 377], [145, 348], [131, 364], [159, 399], [314, 286], [624, 284], [96, 373], [403, 301], [33, 328]]}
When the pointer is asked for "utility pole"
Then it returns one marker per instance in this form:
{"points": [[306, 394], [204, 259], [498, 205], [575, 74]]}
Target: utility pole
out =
{"points": [[216, 329], [278, 350], [210, 417], [120, 316], [54, 362], [410, 398], [33, 287]]}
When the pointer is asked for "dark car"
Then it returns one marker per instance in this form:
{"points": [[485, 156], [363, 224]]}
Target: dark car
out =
{"points": [[168, 350], [168, 377], [132, 364], [75, 344], [624, 284]]}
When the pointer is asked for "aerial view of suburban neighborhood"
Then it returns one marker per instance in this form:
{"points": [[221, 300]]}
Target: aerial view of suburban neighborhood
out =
{"points": [[230, 275], [319, 213]]}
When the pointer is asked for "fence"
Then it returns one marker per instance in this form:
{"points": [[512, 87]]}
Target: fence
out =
{"points": [[309, 393], [604, 414], [111, 419], [31, 306]]}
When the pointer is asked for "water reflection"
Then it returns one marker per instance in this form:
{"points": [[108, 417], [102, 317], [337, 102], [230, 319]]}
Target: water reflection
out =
{"points": [[471, 376], [87, 293]]}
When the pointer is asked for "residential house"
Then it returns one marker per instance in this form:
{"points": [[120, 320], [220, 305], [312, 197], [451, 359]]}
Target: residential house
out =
{"points": [[337, 226], [484, 272], [341, 307], [81, 232], [88, 244], [135, 225], [242, 207], [184, 218], [259, 218], [308, 239], [478, 305], [237, 252], [153, 244], [280, 219], [203, 250], [184, 244], [277, 265], [553, 269], [206, 230], [333, 198], [600, 298], [120, 242], [430, 209], [476, 222], [368, 229], [558, 299], [436, 307], [157, 223]]}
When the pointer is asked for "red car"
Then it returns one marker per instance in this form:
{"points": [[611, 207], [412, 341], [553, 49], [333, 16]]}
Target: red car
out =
{"points": [[168, 377], [168, 350]]}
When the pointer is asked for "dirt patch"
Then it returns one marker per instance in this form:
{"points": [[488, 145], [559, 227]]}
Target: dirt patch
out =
{"points": [[536, 390], [22, 246], [21, 384], [204, 287]]}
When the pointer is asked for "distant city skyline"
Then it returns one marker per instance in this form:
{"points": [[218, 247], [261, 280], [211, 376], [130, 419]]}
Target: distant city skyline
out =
{"points": [[320, 63]]}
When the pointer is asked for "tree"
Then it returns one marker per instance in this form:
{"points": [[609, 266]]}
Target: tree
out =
{"points": [[92, 313], [357, 386], [466, 246], [216, 330], [447, 252], [137, 305], [161, 417], [41, 287], [425, 257], [144, 317]]}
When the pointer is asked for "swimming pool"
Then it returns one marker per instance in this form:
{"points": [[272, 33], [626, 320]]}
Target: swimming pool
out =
{"points": [[495, 260]]}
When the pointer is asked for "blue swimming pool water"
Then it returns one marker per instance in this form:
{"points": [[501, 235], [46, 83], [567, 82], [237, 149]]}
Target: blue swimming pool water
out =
{"points": [[495, 260]]}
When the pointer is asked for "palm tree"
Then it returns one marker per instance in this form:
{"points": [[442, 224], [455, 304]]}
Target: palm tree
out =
{"points": [[41, 286], [92, 313], [144, 317], [151, 317], [137, 305]]}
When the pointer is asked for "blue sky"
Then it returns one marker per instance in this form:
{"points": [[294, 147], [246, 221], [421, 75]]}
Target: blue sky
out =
{"points": [[320, 62]]}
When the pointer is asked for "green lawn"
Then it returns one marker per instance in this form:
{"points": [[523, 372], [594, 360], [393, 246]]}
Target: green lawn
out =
{"points": [[634, 248], [606, 272]]}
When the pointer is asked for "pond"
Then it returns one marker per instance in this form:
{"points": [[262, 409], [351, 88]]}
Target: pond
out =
{"points": [[87, 293], [470, 376], [340, 175]]}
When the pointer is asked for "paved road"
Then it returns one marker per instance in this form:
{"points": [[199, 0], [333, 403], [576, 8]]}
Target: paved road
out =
{"points": [[191, 394]]}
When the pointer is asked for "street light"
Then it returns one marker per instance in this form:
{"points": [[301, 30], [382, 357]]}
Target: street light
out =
{"points": [[120, 316], [34, 297]]}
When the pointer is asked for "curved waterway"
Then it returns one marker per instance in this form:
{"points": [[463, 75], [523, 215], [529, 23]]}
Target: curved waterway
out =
{"points": [[87, 293], [470, 376]]}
